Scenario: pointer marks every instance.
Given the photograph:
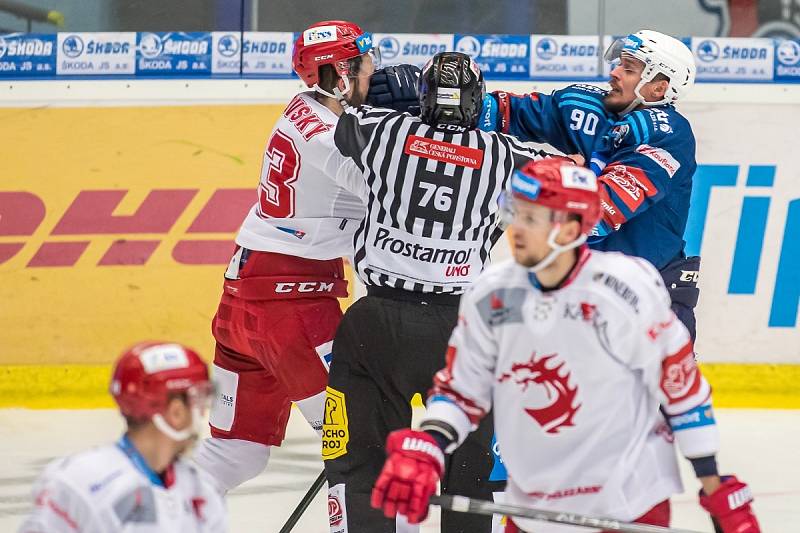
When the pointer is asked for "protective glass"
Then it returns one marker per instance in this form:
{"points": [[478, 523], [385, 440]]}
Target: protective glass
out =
{"points": [[200, 395], [355, 67], [519, 212], [614, 51]]}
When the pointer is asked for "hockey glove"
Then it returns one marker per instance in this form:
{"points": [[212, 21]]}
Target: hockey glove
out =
{"points": [[395, 88], [408, 479], [729, 507]]}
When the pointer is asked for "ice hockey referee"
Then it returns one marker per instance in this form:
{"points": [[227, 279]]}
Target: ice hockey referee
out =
{"points": [[431, 185]]}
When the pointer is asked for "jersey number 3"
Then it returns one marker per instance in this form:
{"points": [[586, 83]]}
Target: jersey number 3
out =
{"points": [[279, 170]]}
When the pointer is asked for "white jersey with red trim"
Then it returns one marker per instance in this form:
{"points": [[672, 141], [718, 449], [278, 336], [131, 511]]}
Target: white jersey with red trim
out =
{"points": [[102, 491], [300, 210], [576, 377]]}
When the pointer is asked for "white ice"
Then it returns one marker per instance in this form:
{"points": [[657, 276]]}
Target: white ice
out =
{"points": [[761, 446]]}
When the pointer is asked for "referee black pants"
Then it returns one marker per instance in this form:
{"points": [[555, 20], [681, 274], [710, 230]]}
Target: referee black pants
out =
{"points": [[388, 346]]}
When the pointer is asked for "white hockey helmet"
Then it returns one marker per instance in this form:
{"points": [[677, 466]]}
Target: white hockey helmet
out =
{"points": [[662, 54]]}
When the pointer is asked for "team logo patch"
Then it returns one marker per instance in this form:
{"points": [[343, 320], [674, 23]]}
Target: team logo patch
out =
{"points": [[680, 378], [502, 306], [618, 134], [335, 433], [443, 151], [554, 393]]}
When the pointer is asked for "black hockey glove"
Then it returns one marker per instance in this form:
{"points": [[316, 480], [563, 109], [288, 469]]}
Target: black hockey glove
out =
{"points": [[395, 88]]}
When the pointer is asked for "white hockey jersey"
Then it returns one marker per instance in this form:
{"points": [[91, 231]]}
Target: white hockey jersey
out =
{"points": [[576, 377], [102, 490], [300, 210]]}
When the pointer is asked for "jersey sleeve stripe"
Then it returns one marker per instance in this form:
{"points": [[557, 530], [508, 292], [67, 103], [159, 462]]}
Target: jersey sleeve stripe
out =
{"points": [[581, 96], [643, 124], [634, 128], [584, 105]]}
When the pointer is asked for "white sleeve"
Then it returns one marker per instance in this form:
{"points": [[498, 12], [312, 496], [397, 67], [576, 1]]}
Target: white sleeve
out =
{"points": [[344, 171], [59, 508], [215, 510], [462, 391], [664, 352]]}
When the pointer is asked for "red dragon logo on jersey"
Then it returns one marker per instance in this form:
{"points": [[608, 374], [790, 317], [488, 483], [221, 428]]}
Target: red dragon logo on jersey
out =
{"points": [[562, 408]]}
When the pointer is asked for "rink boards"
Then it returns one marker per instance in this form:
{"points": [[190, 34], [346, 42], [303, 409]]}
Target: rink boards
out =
{"points": [[118, 206]]}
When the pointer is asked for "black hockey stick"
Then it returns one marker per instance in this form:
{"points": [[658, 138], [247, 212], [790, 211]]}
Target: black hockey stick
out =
{"points": [[304, 503], [462, 504]]}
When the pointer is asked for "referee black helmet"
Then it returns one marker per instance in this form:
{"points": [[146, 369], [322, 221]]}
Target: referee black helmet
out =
{"points": [[451, 91]]}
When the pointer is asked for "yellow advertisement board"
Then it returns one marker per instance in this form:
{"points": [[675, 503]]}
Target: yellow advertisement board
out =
{"points": [[116, 224]]}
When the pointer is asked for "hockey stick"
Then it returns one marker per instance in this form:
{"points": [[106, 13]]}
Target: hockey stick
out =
{"points": [[304, 503], [462, 504]]}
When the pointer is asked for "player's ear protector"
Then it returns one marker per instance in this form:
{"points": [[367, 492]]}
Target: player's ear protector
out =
{"points": [[451, 90]]}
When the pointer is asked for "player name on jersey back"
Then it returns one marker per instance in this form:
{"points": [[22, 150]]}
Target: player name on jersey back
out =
{"points": [[301, 211]]}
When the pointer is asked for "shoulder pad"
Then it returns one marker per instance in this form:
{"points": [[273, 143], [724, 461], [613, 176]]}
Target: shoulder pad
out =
{"points": [[586, 88], [583, 93]]}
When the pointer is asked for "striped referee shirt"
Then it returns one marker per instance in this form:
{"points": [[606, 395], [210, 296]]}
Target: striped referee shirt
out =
{"points": [[431, 194]]}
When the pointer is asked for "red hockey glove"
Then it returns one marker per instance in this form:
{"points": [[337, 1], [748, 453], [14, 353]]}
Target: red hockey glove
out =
{"points": [[729, 507], [408, 480]]}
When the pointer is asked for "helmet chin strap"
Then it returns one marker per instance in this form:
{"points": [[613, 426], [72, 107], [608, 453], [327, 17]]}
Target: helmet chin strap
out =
{"points": [[639, 100], [336, 94], [557, 249], [180, 435]]}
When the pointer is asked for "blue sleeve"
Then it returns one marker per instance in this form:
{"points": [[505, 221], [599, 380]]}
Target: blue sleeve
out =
{"points": [[568, 119], [641, 171]]}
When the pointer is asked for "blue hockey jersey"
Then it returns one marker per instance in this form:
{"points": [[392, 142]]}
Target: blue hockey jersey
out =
{"points": [[645, 161]]}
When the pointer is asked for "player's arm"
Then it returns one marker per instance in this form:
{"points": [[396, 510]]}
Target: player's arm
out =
{"points": [[460, 397], [59, 508], [462, 391], [631, 184], [214, 511], [567, 119], [355, 129], [665, 354], [343, 170]]}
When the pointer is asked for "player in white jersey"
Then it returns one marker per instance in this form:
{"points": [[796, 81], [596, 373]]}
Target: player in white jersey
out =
{"points": [[139, 484], [576, 351], [279, 310]]}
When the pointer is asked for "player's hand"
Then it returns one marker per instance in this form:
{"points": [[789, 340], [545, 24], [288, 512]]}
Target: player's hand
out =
{"points": [[578, 159], [408, 479], [396, 88], [729, 507]]}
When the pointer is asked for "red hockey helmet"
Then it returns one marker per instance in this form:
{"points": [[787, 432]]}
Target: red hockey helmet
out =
{"points": [[149, 373], [330, 42], [561, 185]]}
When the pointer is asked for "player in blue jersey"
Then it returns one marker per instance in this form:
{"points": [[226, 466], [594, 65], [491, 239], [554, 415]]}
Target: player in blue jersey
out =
{"points": [[641, 148]]}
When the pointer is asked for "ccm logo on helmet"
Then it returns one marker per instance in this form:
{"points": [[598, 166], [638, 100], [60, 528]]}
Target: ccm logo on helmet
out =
{"points": [[323, 58]]}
